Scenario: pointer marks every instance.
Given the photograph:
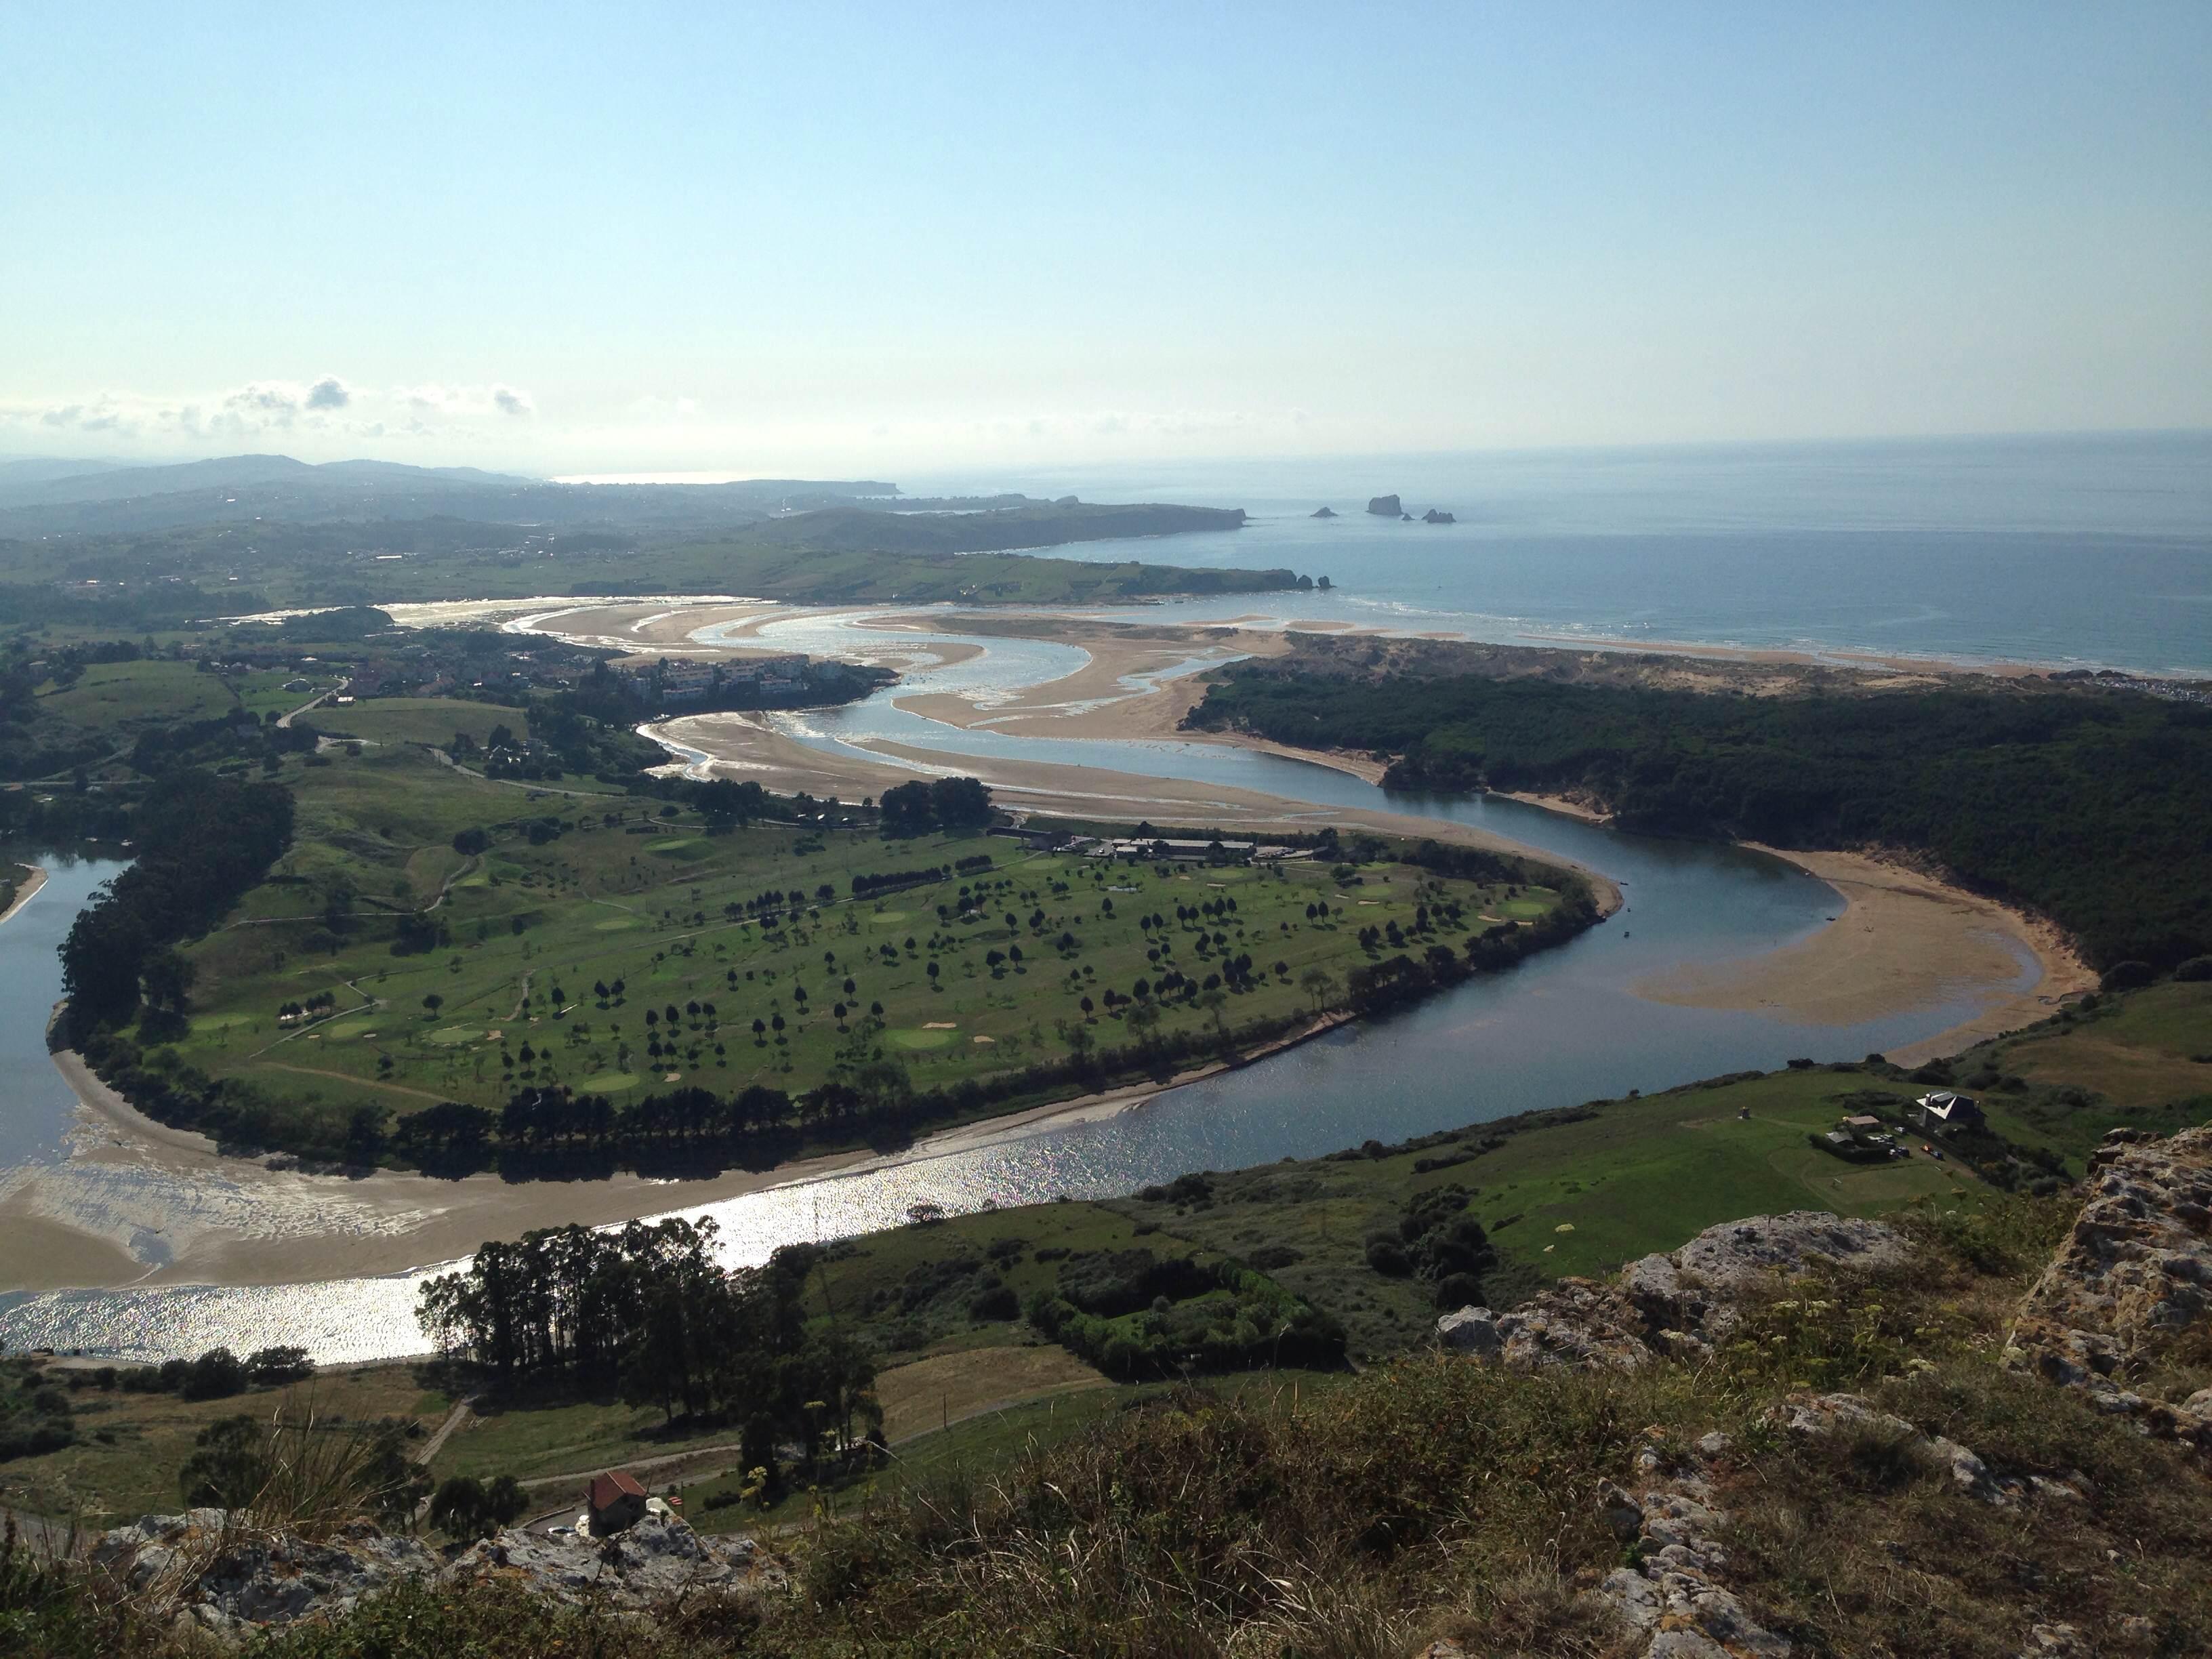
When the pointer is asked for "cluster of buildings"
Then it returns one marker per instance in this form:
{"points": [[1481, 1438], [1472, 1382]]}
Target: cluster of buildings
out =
{"points": [[1864, 1138], [1133, 848], [681, 684]]}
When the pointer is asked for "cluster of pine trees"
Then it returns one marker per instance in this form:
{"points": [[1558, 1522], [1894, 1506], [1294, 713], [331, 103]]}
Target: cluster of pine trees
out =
{"points": [[650, 1312], [2086, 805]]}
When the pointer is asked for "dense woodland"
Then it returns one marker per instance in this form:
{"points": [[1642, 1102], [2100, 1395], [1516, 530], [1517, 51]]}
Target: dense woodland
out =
{"points": [[202, 840], [2091, 807]]}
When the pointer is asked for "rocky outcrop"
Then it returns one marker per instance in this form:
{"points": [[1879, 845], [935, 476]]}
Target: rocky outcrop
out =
{"points": [[1437, 515], [1672, 1601], [1385, 506], [2131, 1280], [1679, 1303], [1577, 1322], [225, 1576], [1811, 1417], [640, 1566], [1324, 512]]}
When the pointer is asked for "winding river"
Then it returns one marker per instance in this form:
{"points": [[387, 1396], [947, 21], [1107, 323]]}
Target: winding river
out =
{"points": [[1560, 1029]]}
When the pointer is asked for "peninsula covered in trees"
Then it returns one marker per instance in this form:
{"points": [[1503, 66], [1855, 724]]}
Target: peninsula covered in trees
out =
{"points": [[2081, 801], [418, 966]]}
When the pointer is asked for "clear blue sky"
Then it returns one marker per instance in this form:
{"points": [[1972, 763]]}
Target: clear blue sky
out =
{"points": [[883, 239]]}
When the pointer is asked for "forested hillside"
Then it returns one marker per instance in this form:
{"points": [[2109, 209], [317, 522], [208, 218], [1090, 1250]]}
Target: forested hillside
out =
{"points": [[2091, 807]]}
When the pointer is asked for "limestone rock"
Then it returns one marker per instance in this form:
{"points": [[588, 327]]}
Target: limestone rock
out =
{"points": [[1471, 1330], [1575, 1322], [1678, 1304], [1624, 1516], [1693, 1289], [1436, 515], [1385, 506], [642, 1564], [1324, 512], [2132, 1277], [223, 1574], [1671, 1602], [226, 1576]]}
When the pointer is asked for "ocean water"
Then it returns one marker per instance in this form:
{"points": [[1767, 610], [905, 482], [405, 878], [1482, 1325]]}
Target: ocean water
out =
{"points": [[2067, 551]]}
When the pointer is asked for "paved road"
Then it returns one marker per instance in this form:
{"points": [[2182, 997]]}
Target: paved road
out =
{"points": [[313, 702]]}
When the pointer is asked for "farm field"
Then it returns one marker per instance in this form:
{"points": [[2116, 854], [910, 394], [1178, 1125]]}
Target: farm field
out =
{"points": [[2142, 1053], [432, 721], [121, 695], [621, 947], [97, 716]]}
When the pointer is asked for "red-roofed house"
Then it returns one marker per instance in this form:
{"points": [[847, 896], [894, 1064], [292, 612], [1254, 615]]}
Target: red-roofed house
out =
{"points": [[614, 1501]]}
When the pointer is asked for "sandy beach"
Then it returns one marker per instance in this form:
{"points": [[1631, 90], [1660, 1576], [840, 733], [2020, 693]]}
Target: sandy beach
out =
{"points": [[1901, 939]]}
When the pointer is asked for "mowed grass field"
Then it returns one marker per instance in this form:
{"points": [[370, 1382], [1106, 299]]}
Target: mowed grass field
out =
{"points": [[616, 894], [418, 719]]}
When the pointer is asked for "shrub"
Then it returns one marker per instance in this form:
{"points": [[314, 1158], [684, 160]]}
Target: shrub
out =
{"points": [[465, 1507], [1387, 1257], [2127, 975], [999, 1301], [215, 1374], [273, 1367]]}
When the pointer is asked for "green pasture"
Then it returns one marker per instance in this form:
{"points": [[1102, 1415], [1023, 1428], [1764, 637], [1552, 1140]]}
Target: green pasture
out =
{"points": [[124, 695], [129, 1446], [1561, 1198], [432, 721], [2142, 1060], [262, 691], [526, 930]]}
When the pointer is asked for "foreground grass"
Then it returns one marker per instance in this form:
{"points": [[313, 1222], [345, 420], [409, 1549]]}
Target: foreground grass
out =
{"points": [[1365, 1516], [129, 1446]]}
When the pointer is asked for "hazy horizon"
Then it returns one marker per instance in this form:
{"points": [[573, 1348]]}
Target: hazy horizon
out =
{"points": [[876, 243]]}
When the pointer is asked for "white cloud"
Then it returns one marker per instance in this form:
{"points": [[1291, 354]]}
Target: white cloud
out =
{"points": [[326, 418], [274, 405]]}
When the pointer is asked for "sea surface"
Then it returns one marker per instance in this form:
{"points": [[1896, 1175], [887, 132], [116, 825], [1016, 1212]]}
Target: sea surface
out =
{"points": [[2090, 551]]}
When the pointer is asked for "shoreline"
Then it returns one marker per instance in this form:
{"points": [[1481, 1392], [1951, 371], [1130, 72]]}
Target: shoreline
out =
{"points": [[55, 1252], [1888, 911], [26, 891]]}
